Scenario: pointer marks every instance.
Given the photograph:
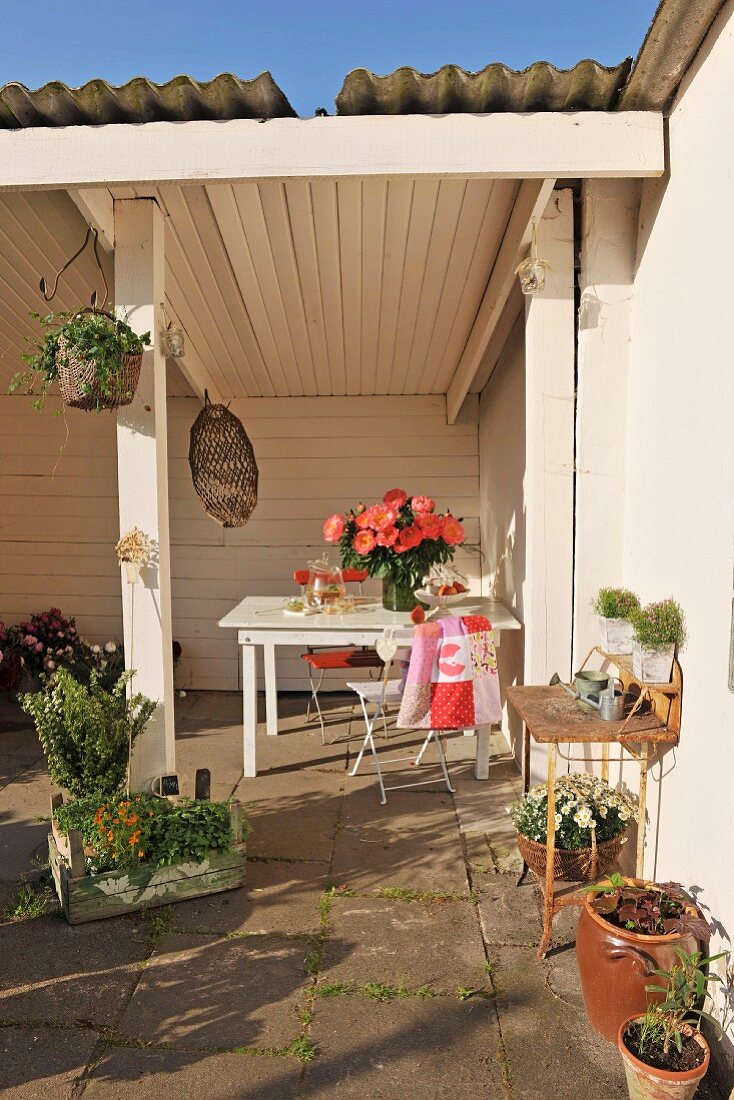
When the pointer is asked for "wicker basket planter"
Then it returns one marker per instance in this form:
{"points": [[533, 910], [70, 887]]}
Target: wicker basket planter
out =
{"points": [[79, 385], [572, 864]]}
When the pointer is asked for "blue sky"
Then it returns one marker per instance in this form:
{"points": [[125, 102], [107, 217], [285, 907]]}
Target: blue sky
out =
{"points": [[308, 47]]}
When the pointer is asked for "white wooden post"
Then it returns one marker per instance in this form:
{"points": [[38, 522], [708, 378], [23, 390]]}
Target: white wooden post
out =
{"points": [[549, 470], [142, 465], [608, 228]]}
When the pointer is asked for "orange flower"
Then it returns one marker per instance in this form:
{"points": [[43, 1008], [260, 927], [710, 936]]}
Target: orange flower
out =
{"points": [[334, 528], [452, 531], [387, 537], [395, 497], [422, 504], [141, 854], [364, 542], [382, 516], [364, 519], [430, 526], [408, 539]]}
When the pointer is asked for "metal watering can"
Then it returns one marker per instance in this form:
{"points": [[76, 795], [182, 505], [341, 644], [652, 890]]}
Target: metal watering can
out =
{"points": [[599, 690]]}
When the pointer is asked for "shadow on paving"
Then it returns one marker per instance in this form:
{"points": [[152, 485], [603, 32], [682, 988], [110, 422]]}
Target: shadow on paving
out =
{"points": [[170, 1005]]}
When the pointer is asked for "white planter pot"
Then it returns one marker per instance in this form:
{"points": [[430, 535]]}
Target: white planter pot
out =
{"points": [[652, 666], [616, 635]]}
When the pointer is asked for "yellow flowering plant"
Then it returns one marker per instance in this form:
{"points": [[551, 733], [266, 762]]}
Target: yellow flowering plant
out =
{"points": [[582, 801]]}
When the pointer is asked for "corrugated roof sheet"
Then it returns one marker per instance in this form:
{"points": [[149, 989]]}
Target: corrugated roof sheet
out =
{"points": [[588, 86], [181, 99], [675, 35]]}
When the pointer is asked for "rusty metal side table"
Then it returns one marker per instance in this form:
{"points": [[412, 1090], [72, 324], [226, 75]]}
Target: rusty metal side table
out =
{"points": [[551, 717]]}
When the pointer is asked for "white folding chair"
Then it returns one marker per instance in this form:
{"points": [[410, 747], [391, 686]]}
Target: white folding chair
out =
{"points": [[379, 694]]}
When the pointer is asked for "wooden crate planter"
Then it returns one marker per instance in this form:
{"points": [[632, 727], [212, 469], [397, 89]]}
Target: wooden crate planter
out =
{"points": [[86, 897]]}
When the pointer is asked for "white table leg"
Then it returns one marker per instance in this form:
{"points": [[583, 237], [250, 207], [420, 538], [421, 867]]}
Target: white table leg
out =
{"points": [[481, 767], [249, 708], [271, 691]]}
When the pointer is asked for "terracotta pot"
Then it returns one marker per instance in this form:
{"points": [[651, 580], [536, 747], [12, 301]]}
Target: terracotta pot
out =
{"points": [[615, 965], [647, 1083]]}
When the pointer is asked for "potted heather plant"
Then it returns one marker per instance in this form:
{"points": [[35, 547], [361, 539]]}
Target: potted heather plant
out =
{"points": [[659, 629], [663, 1051], [591, 820], [398, 539], [614, 608], [627, 930]]}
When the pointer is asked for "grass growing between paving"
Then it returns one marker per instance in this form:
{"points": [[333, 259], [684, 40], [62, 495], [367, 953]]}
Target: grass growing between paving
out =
{"points": [[28, 902]]}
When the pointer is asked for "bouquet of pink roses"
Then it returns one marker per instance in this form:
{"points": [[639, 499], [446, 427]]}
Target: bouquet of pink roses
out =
{"points": [[399, 539]]}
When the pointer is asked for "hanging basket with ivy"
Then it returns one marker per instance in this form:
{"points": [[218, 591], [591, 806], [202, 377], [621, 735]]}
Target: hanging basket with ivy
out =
{"points": [[95, 358], [93, 355]]}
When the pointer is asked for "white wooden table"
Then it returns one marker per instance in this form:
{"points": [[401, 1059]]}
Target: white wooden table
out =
{"points": [[261, 621]]}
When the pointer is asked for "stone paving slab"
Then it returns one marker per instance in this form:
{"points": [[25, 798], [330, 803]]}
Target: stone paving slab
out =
{"points": [[16, 766], [411, 942], [42, 1063], [23, 838], [202, 992], [53, 972], [551, 1049], [509, 913], [411, 842], [405, 1048], [127, 1074], [279, 897], [292, 818]]}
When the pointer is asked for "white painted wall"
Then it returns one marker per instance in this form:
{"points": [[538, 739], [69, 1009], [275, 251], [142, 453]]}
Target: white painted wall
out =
{"points": [[608, 224], [502, 504], [316, 456], [679, 516]]}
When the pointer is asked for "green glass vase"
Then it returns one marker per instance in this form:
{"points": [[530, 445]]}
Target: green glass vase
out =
{"points": [[396, 596]]}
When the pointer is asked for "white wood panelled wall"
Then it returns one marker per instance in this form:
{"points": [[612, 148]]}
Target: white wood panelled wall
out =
{"points": [[316, 456]]}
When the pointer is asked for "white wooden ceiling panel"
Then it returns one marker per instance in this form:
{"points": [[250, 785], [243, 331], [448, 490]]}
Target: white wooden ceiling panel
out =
{"points": [[291, 287]]}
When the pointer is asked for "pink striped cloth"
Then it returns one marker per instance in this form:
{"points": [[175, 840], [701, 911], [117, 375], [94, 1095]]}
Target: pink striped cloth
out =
{"points": [[452, 681]]}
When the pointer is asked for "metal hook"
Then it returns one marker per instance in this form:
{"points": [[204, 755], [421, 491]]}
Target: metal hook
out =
{"points": [[43, 285]]}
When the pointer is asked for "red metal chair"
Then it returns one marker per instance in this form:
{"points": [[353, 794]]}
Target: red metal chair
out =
{"points": [[320, 661]]}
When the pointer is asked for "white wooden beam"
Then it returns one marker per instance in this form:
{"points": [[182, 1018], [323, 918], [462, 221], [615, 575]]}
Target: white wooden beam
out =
{"points": [[95, 205], [531, 201], [191, 366], [142, 463], [515, 146], [514, 307], [549, 457]]}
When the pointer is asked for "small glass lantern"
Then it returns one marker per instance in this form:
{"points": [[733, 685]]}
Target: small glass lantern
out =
{"points": [[531, 273], [173, 341]]}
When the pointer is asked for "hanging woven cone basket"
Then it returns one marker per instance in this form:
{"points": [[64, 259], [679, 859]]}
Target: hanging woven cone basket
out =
{"points": [[223, 466]]}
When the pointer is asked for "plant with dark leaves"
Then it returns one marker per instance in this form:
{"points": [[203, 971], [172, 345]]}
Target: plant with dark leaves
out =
{"points": [[649, 910]]}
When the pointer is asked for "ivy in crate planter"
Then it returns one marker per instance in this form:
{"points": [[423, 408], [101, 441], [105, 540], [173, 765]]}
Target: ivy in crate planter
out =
{"points": [[94, 356], [116, 855], [112, 852]]}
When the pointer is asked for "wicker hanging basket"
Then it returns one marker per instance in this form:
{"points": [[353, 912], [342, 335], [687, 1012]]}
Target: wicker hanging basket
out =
{"points": [[223, 466], [572, 864], [79, 384]]}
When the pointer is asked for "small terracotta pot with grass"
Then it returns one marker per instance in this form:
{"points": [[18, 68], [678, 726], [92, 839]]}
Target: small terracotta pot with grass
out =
{"points": [[646, 1082]]}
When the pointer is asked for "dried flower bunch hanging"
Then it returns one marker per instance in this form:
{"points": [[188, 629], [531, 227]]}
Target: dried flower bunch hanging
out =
{"points": [[135, 547]]}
